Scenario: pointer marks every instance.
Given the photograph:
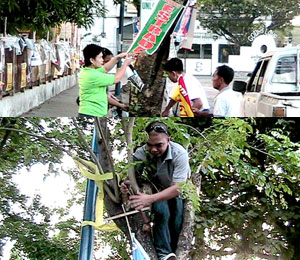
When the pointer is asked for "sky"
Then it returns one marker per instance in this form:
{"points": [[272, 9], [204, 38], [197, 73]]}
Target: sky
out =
{"points": [[296, 21], [52, 189], [54, 193]]}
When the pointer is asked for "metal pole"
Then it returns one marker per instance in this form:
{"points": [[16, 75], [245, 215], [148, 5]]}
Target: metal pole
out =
{"points": [[87, 232], [185, 56], [120, 43], [5, 26]]}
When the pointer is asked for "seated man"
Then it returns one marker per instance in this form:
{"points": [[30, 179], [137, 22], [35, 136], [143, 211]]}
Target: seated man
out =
{"points": [[167, 165]]}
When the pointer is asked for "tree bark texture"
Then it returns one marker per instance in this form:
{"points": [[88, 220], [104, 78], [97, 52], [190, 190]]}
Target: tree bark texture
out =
{"points": [[136, 221], [186, 235], [148, 102]]}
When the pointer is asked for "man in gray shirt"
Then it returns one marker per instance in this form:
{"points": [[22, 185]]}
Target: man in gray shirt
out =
{"points": [[166, 164]]}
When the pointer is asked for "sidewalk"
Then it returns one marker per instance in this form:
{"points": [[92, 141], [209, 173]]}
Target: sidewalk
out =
{"points": [[62, 105]]}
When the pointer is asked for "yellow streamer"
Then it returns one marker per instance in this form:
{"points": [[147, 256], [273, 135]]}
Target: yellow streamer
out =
{"points": [[99, 179]]}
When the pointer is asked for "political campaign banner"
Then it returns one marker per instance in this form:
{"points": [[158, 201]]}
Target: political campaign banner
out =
{"points": [[184, 29], [157, 27], [138, 251], [181, 95]]}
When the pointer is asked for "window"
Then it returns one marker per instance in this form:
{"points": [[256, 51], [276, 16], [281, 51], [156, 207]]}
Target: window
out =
{"points": [[257, 78], [200, 51], [225, 50], [261, 75], [285, 71], [128, 32], [254, 78]]}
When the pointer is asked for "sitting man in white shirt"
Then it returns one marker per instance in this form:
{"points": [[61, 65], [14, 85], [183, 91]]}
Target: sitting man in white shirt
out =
{"points": [[227, 102]]}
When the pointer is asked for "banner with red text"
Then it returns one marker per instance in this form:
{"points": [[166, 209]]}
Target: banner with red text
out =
{"points": [[155, 30]]}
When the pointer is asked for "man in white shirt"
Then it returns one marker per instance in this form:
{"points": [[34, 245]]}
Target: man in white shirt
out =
{"points": [[227, 102], [196, 93]]}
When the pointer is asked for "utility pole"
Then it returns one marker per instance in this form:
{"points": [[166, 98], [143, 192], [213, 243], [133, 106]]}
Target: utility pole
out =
{"points": [[120, 43], [87, 232]]}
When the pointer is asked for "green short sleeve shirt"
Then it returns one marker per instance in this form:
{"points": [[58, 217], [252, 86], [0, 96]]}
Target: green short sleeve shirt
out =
{"points": [[92, 91]]}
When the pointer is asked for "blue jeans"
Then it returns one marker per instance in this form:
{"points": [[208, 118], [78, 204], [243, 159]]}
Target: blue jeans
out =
{"points": [[168, 216]]}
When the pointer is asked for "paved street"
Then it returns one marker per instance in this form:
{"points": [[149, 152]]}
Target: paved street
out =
{"points": [[206, 82], [62, 105]]}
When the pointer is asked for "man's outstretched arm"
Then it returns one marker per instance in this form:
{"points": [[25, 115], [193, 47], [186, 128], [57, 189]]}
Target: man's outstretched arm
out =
{"points": [[168, 108]]}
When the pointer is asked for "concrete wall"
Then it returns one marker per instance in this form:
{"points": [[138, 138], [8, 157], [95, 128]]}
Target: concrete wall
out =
{"points": [[21, 103]]}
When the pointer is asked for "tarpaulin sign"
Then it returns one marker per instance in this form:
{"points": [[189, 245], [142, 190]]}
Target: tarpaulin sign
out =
{"points": [[155, 30], [23, 75], [9, 77]]}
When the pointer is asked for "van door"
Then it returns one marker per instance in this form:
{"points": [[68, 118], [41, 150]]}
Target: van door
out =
{"points": [[253, 93]]}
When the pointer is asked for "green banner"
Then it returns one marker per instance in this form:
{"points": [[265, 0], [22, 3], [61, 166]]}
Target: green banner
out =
{"points": [[155, 30]]}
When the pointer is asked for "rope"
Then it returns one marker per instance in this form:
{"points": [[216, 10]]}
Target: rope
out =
{"points": [[128, 225], [99, 179]]}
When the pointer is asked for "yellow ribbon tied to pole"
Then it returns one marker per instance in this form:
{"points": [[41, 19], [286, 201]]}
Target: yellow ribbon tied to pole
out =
{"points": [[99, 179]]}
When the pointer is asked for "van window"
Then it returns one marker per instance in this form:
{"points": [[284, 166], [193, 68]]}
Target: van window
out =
{"points": [[254, 78], [285, 71], [261, 75], [257, 78]]}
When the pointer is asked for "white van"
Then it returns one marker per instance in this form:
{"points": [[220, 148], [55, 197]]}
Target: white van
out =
{"points": [[273, 89]]}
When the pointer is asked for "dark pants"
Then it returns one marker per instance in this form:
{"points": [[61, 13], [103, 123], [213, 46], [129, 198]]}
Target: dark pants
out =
{"points": [[168, 216], [86, 116]]}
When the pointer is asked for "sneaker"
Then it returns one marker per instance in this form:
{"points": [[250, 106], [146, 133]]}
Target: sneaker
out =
{"points": [[170, 256]]}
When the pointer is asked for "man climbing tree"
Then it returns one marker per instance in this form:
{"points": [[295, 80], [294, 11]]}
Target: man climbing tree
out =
{"points": [[165, 165]]}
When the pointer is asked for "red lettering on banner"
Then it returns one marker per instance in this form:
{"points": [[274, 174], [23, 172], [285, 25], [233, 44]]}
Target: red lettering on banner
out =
{"points": [[173, 3], [144, 43], [159, 22], [168, 8], [182, 91], [164, 15], [150, 36], [139, 49], [155, 30], [183, 113]]}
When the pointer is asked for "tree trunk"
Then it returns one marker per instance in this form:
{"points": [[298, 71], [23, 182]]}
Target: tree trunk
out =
{"points": [[136, 221], [148, 102], [186, 235]]}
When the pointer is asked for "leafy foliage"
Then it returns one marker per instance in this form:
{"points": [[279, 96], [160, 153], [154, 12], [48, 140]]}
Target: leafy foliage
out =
{"points": [[43, 14], [250, 186], [249, 200], [236, 20], [24, 221]]}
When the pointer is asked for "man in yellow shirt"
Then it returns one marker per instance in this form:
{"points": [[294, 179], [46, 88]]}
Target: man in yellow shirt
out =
{"points": [[189, 93]]}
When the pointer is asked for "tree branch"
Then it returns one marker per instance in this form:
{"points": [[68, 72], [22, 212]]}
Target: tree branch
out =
{"points": [[261, 151], [39, 137], [106, 187], [94, 157], [4, 140], [116, 186], [197, 131], [128, 128]]}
